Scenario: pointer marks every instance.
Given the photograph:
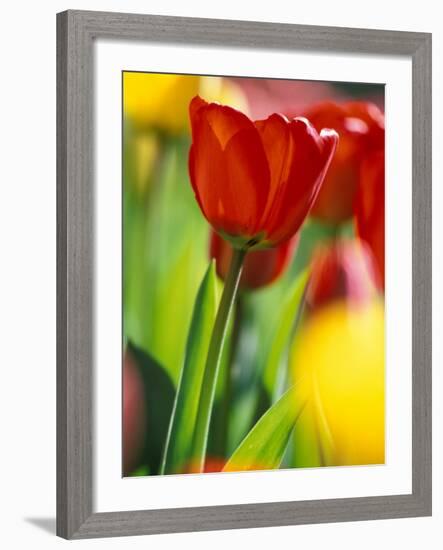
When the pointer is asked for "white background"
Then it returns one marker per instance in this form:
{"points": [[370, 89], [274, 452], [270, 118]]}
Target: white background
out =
{"points": [[27, 219]]}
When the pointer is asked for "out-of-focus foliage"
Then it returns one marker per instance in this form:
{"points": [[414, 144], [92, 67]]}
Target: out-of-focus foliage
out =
{"points": [[275, 372], [134, 413], [165, 242], [158, 400]]}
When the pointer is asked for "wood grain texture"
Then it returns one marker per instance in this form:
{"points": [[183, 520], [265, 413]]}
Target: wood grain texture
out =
{"points": [[192, 30], [76, 31], [74, 277], [422, 272]]}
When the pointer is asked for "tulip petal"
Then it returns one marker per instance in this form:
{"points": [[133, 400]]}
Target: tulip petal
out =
{"points": [[369, 208], [366, 111], [247, 187], [208, 173], [329, 140], [361, 128], [276, 137], [311, 157], [228, 168], [191, 167], [196, 104], [327, 114], [226, 122]]}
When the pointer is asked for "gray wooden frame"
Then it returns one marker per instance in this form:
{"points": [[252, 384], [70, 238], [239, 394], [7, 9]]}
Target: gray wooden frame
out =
{"points": [[76, 31]]}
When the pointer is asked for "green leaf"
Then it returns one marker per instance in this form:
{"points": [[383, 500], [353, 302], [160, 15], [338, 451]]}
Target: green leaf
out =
{"points": [[213, 359], [141, 471], [276, 363], [264, 446], [181, 428], [165, 257], [159, 391], [307, 451]]}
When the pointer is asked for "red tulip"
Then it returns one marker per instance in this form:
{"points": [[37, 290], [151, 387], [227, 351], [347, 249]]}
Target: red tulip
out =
{"points": [[341, 271], [261, 267], [361, 129], [255, 182], [370, 208], [134, 414]]}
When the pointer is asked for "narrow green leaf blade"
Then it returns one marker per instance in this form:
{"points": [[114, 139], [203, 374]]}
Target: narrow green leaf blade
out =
{"points": [[181, 428], [277, 356], [264, 446], [307, 451]]}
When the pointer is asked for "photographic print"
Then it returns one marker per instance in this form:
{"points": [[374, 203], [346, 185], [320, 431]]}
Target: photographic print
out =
{"points": [[253, 274]]}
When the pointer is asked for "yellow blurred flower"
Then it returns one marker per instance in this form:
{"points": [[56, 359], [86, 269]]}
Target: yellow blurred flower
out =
{"points": [[140, 158], [161, 101], [338, 368]]}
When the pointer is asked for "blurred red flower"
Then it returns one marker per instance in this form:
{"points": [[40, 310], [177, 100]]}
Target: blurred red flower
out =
{"points": [[134, 414], [212, 465], [369, 208], [292, 97], [343, 270], [360, 126], [261, 267], [255, 182]]}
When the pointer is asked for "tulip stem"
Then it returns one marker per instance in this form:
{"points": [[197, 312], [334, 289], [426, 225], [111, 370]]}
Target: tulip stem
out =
{"points": [[237, 314], [213, 359]]}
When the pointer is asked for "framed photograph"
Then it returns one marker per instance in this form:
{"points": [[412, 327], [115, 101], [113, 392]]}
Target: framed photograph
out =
{"points": [[243, 274]]}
